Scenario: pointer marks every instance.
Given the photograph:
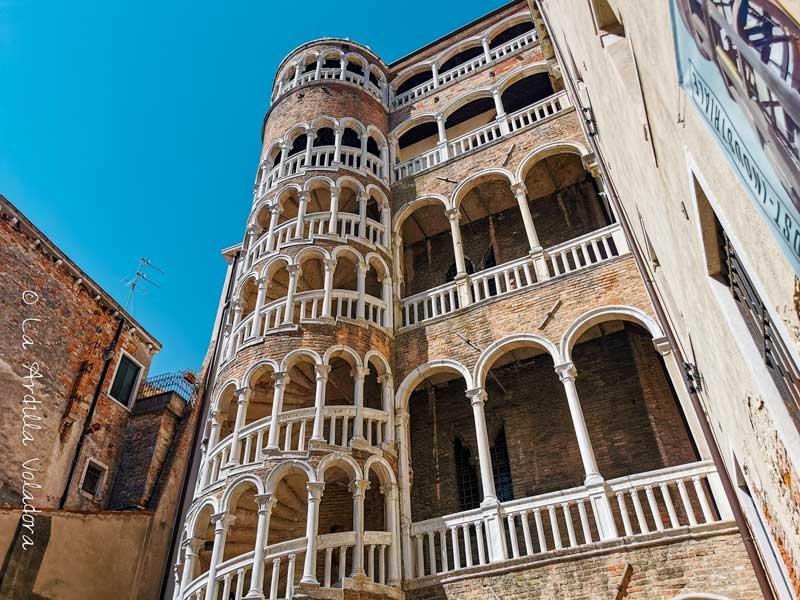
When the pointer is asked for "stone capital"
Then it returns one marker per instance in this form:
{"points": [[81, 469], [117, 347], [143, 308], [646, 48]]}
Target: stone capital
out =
{"points": [[386, 380], [265, 502], [453, 214], [329, 263], [359, 487], [281, 378], [476, 396], [322, 372], [222, 521], [360, 372], [566, 371], [519, 189], [315, 489], [293, 269], [242, 395]]}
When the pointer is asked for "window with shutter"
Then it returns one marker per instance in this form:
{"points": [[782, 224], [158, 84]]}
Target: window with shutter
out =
{"points": [[125, 380]]}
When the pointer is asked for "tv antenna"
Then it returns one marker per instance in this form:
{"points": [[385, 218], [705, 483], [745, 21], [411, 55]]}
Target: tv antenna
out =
{"points": [[139, 278]]}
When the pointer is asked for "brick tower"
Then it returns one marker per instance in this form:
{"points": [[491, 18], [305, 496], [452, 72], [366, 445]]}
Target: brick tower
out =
{"points": [[440, 373]]}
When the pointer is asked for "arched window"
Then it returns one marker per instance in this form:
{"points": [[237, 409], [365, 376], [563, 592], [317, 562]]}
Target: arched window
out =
{"points": [[501, 467], [469, 494]]}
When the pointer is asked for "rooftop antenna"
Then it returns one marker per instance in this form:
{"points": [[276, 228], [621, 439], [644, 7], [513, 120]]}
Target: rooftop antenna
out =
{"points": [[138, 278]]}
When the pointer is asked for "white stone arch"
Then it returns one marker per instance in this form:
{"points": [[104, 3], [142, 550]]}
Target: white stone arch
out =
{"points": [[353, 184], [463, 100], [250, 275], [348, 250], [387, 477], [286, 467], [420, 373], [285, 193], [377, 359], [235, 384], [545, 150], [507, 23], [384, 267], [264, 203], [341, 351], [405, 126], [339, 459], [410, 207], [450, 52], [310, 251], [492, 352], [362, 60], [521, 73], [296, 356], [273, 264], [324, 121], [475, 180], [230, 496], [354, 124], [258, 366], [295, 131], [372, 131], [600, 315], [319, 181], [379, 194], [274, 150], [191, 521]]}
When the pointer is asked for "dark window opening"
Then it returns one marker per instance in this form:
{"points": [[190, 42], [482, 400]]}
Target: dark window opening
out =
{"points": [[125, 380], [414, 81], [351, 138], [509, 34], [373, 212], [331, 63], [501, 466], [372, 147], [298, 145], [461, 58], [325, 137], [92, 479], [312, 66], [469, 496], [527, 91], [469, 111], [355, 67], [418, 133], [374, 79], [453, 270], [490, 261]]}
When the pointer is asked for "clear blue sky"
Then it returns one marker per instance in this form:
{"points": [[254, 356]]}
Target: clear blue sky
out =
{"points": [[132, 129]]}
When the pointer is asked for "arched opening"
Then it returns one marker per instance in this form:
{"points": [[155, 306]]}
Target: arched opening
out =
{"points": [[461, 57], [631, 409], [226, 414], [204, 532], [470, 116], [418, 139], [526, 91], [378, 507], [511, 33], [273, 158], [564, 200], [319, 205], [337, 537], [297, 145], [324, 137], [527, 410], [345, 286], [289, 201], [262, 386], [443, 447], [247, 297], [289, 512], [340, 391], [308, 64], [409, 83], [427, 248], [492, 229], [241, 537], [331, 61]]}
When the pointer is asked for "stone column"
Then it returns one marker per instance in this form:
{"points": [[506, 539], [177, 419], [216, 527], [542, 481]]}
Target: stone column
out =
{"points": [[265, 504], [386, 296], [440, 125], [566, 373], [281, 379], [462, 279], [297, 69], [310, 133], [191, 550], [361, 284], [222, 522], [330, 268], [237, 318], [521, 194], [294, 275], [360, 486], [242, 400], [487, 51], [274, 214], [257, 316], [401, 423], [500, 110], [392, 508], [387, 402], [310, 566], [343, 62], [322, 372], [299, 229], [477, 397], [337, 144], [359, 374], [362, 216], [435, 73], [363, 159], [598, 493], [334, 211], [318, 70], [284, 155], [384, 171], [367, 69]]}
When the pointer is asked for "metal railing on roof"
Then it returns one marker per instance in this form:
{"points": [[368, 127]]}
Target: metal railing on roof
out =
{"points": [[183, 383]]}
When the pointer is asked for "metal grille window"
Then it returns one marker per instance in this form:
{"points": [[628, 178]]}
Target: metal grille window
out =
{"points": [[92, 479], [125, 380], [469, 495], [501, 467], [773, 351]]}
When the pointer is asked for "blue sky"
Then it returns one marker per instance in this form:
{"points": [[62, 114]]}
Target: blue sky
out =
{"points": [[132, 129]]}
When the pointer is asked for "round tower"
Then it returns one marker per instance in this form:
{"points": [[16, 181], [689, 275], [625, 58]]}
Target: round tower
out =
{"points": [[298, 485]]}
